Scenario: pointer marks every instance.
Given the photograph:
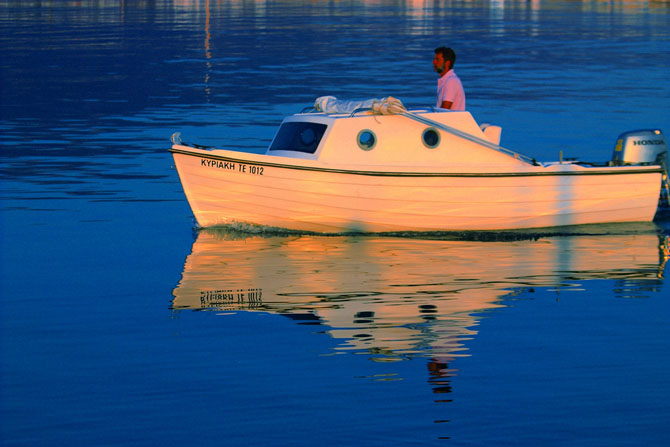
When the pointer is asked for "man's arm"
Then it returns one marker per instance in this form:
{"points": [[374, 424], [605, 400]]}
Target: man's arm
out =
{"points": [[446, 104]]}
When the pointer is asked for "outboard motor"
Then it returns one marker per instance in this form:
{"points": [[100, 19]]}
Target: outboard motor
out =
{"points": [[641, 147]]}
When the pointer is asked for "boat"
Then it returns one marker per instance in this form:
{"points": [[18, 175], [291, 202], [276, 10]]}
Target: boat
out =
{"points": [[376, 166]]}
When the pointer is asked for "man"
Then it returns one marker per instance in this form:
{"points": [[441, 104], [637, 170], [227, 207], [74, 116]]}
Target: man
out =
{"points": [[450, 94]]}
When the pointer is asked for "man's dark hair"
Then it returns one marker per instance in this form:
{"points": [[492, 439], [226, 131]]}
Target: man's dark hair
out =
{"points": [[448, 54]]}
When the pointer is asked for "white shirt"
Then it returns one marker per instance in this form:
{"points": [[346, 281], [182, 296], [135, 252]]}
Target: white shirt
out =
{"points": [[449, 88]]}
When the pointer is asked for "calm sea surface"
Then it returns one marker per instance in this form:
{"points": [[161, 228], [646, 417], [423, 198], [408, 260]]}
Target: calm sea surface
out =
{"points": [[122, 325]]}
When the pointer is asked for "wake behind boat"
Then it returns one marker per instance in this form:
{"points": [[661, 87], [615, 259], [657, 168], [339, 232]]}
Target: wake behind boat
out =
{"points": [[374, 166]]}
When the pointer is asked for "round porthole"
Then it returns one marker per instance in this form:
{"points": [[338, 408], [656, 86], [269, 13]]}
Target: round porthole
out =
{"points": [[366, 139], [431, 137]]}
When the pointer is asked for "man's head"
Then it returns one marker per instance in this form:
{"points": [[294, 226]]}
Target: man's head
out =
{"points": [[444, 60]]}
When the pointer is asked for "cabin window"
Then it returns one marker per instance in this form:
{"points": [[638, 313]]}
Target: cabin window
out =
{"points": [[431, 138], [298, 137], [366, 139]]}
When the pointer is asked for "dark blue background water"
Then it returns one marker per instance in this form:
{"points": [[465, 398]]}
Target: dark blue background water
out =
{"points": [[548, 345]]}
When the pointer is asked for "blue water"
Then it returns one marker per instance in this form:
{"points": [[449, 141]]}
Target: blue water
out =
{"points": [[122, 325]]}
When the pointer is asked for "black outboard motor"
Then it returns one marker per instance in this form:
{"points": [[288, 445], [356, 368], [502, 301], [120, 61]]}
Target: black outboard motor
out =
{"points": [[639, 147]]}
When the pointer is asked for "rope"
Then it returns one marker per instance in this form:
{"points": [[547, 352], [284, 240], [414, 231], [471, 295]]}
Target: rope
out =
{"points": [[665, 182], [388, 106]]}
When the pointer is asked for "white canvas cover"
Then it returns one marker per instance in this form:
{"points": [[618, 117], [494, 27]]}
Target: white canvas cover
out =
{"points": [[384, 106]]}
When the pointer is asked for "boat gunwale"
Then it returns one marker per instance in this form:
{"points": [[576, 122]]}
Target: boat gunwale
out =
{"points": [[591, 170]]}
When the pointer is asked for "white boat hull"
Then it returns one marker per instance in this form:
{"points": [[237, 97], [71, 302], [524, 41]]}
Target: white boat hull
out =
{"points": [[226, 187]]}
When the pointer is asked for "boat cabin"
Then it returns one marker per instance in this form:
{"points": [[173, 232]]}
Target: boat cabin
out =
{"points": [[420, 137]]}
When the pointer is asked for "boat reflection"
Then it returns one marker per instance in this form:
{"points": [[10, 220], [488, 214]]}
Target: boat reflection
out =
{"points": [[397, 297]]}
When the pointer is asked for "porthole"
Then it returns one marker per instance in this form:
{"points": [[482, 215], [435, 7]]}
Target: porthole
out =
{"points": [[366, 139], [431, 137]]}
